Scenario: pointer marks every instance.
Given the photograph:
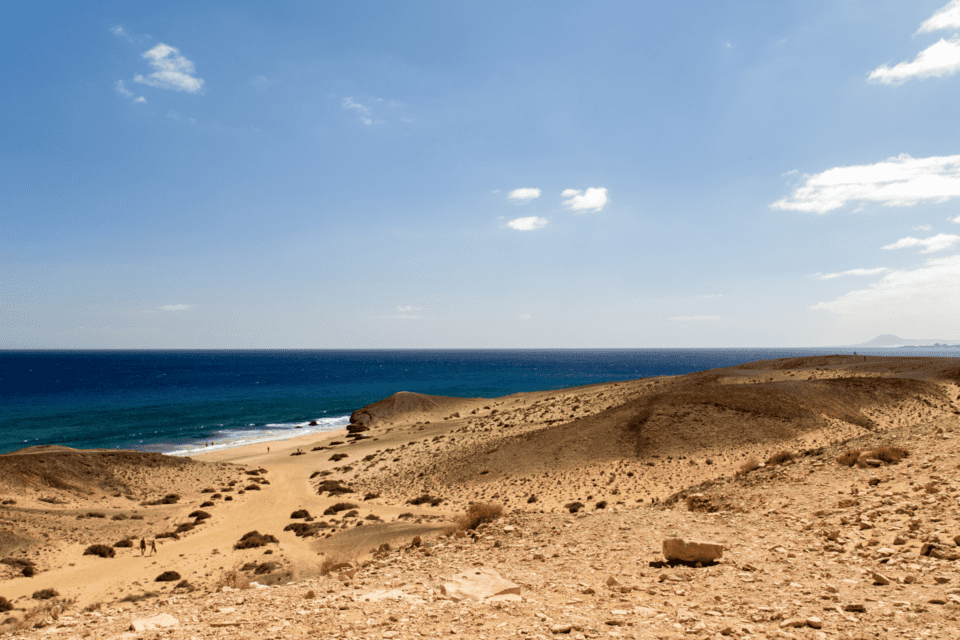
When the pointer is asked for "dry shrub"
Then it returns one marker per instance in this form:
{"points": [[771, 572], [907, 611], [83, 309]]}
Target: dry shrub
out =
{"points": [[750, 464], [100, 550], [5, 605], [170, 498], [425, 499], [234, 580], [45, 594], [186, 526], [707, 503], [601, 505], [168, 534], [184, 585], [167, 576], [199, 515], [849, 458], [124, 544], [206, 504], [779, 458], [477, 514], [333, 487], [573, 507], [300, 513], [252, 487], [334, 509], [254, 539], [888, 455], [334, 563]]}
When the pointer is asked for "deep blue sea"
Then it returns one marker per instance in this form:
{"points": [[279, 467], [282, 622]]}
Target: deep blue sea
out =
{"points": [[177, 401]]}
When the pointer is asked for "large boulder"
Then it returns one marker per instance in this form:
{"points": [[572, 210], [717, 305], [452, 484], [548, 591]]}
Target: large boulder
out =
{"points": [[677, 549], [478, 584]]}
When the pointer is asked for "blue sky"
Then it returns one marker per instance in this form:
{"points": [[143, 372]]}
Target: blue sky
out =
{"points": [[478, 174]]}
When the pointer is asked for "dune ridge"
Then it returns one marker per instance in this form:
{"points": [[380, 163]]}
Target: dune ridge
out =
{"points": [[636, 460]]}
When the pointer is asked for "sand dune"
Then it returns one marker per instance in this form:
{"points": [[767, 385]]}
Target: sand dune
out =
{"points": [[614, 448]]}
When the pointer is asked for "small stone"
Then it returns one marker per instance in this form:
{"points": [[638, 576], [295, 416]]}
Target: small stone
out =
{"points": [[538, 556], [613, 582], [941, 579], [561, 628], [937, 600], [879, 578], [509, 528], [814, 622], [855, 607], [588, 591], [794, 623], [899, 540]]}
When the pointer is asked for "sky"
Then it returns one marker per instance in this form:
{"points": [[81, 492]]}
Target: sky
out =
{"points": [[478, 174]]}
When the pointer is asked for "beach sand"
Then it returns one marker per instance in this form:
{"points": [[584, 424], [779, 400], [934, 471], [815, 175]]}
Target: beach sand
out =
{"points": [[803, 538]]}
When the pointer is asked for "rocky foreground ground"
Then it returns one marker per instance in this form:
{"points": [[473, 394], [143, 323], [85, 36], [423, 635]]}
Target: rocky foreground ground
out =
{"points": [[813, 548]]}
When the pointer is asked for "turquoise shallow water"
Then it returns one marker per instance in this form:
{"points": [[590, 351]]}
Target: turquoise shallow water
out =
{"points": [[176, 400]]}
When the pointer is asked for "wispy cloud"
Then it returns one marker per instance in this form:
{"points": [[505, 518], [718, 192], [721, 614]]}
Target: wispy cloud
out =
{"points": [[404, 312], [854, 272], [936, 61], [122, 90], [694, 318], [947, 17], [363, 111], [593, 199], [931, 291], [524, 195], [531, 223], [172, 70], [938, 242], [176, 307], [896, 182], [120, 32], [957, 219]]}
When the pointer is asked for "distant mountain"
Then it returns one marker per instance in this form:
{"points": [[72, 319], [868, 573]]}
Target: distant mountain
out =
{"points": [[889, 340]]}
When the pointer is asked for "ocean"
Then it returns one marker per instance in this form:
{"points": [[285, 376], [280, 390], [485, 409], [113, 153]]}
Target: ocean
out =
{"points": [[180, 401]]}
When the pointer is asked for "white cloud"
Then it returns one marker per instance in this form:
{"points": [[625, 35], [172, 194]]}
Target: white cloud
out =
{"points": [[928, 292], [527, 224], [948, 17], [854, 272], [120, 32], [694, 318], [923, 227], [121, 88], [365, 111], [938, 242], [524, 195], [176, 307], [593, 199], [404, 312], [896, 182], [957, 220], [173, 71], [406, 308], [939, 59]]}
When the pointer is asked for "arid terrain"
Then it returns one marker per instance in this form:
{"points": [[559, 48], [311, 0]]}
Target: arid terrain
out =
{"points": [[831, 482]]}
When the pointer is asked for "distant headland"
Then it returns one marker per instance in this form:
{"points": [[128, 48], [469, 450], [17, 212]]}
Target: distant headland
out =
{"points": [[890, 340]]}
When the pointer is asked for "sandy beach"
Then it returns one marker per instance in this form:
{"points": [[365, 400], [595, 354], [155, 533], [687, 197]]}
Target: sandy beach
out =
{"points": [[693, 456]]}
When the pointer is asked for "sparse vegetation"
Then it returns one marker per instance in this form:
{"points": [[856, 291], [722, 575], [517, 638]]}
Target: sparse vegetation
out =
{"points": [[479, 513], [124, 544], [750, 464], [601, 504], [168, 534], [5, 605], [334, 563], [334, 509], [170, 498], [425, 499], [371, 496], [167, 576], [337, 457], [780, 457], [206, 504], [100, 550], [234, 580], [45, 594], [573, 507], [137, 597], [199, 515], [255, 539], [252, 487], [887, 455], [300, 513], [333, 487]]}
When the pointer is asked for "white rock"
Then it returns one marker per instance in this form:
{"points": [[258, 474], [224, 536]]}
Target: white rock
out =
{"points": [[478, 584], [159, 621]]}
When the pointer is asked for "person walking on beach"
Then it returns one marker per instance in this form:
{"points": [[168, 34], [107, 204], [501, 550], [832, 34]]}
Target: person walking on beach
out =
{"points": [[143, 546], [153, 546]]}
